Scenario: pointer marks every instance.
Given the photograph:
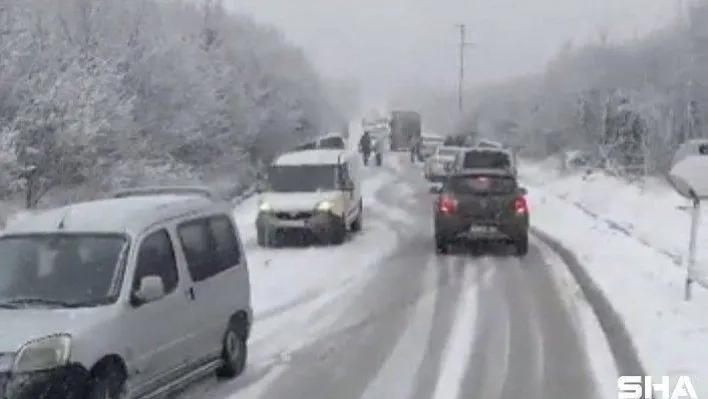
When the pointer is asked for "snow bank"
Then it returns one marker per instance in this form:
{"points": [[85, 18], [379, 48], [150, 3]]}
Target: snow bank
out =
{"points": [[631, 240]]}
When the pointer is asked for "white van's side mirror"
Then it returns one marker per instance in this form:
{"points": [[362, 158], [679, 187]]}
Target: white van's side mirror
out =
{"points": [[151, 289]]}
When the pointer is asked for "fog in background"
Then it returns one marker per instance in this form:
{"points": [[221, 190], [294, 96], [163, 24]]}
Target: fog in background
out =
{"points": [[392, 45]]}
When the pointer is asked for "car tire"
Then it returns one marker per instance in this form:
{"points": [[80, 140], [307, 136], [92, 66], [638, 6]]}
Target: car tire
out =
{"points": [[521, 246], [107, 383], [357, 224], [339, 232], [442, 247], [234, 351]]}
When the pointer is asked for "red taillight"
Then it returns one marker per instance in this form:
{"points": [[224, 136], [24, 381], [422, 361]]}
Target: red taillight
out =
{"points": [[447, 204], [521, 206]]}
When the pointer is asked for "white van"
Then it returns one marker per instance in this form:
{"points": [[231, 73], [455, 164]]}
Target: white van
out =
{"points": [[129, 297], [315, 191]]}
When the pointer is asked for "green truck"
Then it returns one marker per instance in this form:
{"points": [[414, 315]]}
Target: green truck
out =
{"points": [[405, 127]]}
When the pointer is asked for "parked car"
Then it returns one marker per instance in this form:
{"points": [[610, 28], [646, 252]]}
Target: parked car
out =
{"points": [[312, 191], [130, 297]]}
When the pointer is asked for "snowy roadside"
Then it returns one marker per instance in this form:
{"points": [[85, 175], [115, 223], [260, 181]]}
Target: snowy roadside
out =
{"points": [[629, 240]]}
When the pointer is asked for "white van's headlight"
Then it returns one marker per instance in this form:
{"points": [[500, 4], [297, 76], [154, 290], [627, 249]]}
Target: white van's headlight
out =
{"points": [[43, 354], [324, 206], [265, 207]]}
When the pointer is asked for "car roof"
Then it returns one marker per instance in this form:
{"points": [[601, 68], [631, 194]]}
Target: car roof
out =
{"points": [[129, 215], [311, 157], [484, 143], [164, 190], [501, 172], [487, 149], [450, 147]]}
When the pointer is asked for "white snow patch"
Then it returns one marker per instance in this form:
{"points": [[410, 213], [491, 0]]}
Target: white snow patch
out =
{"points": [[626, 237]]}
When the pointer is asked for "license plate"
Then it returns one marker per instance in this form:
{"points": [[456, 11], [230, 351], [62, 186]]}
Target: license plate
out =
{"points": [[482, 229]]}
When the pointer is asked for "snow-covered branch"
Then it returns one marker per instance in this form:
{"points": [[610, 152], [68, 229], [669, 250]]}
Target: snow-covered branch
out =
{"points": [[91, 88]]}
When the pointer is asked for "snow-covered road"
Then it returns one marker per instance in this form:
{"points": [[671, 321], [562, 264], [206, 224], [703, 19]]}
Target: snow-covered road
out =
{"points": [[384, 317]]}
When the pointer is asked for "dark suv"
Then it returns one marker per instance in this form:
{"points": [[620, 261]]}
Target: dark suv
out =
{"points": [[481, 205]]}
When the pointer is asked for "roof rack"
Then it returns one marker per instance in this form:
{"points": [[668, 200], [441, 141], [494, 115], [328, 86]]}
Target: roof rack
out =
{"points": [[164, 190]]}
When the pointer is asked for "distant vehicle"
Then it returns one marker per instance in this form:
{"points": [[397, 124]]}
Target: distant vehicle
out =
{"points": [[93, 291], [460, 140], [313, 191], [332, 141], [481, 205], [486, 158], [440, 163], [430, 143], [405, 128], [484, 143]]}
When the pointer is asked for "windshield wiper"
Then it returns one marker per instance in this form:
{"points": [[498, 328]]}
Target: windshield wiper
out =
{"points": [[17, 303]]}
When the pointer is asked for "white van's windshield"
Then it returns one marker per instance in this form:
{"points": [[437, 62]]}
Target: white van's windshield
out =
{"points": [[302, 178], [59, 270]]}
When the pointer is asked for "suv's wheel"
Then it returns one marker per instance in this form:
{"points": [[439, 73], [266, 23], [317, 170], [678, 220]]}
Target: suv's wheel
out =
{"points": [[522, 245], [234, 352], [339, 231], [357, 223], [441, 245], [106, 383]]}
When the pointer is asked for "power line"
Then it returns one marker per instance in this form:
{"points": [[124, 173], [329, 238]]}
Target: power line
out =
{"points": [[461, 78]]}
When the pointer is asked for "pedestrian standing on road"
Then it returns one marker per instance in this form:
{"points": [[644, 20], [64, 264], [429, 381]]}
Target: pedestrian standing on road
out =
{"points": [[415, 149]]}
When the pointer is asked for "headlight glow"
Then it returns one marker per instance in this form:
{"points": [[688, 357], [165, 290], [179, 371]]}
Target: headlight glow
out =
{"points": [[325, 206], [265, 207], [43, 354]]}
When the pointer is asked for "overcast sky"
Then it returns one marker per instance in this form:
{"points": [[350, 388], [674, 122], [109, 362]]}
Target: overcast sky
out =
{"points": [[386, 44]]}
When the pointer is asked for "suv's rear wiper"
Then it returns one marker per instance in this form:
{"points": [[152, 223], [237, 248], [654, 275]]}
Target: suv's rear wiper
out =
{"points": [[17, 303]]}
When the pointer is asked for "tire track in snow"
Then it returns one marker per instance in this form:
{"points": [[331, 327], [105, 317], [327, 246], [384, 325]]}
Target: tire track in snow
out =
{"points": [[452, 284], [343, 363]]}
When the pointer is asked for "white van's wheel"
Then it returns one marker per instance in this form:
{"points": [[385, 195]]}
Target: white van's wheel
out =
{"points": [[339, 231], [234, 353], [106, 384], [357, 223]]}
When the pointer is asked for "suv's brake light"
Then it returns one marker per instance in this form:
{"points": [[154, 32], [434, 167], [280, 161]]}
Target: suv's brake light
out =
{"points": [[521, 206], [447, 204]]}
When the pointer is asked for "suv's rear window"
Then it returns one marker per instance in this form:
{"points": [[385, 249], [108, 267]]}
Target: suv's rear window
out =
{"points": [[486, 160], [482, 184]]}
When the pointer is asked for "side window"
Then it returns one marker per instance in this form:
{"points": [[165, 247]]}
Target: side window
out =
{"points": [[156, 257], [195, 239], [226, 241]]}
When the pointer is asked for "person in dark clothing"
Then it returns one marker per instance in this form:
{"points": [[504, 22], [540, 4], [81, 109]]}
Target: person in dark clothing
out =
{"points": [[365, 146], [415, 149]]}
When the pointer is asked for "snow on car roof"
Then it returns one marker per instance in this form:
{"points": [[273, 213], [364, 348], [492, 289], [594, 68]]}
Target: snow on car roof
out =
{"points": [[450, 148], [311, 157], [114, 215]]}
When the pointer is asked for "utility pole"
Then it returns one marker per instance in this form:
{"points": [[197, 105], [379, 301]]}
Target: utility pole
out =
{"points": [[461, 77]]}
